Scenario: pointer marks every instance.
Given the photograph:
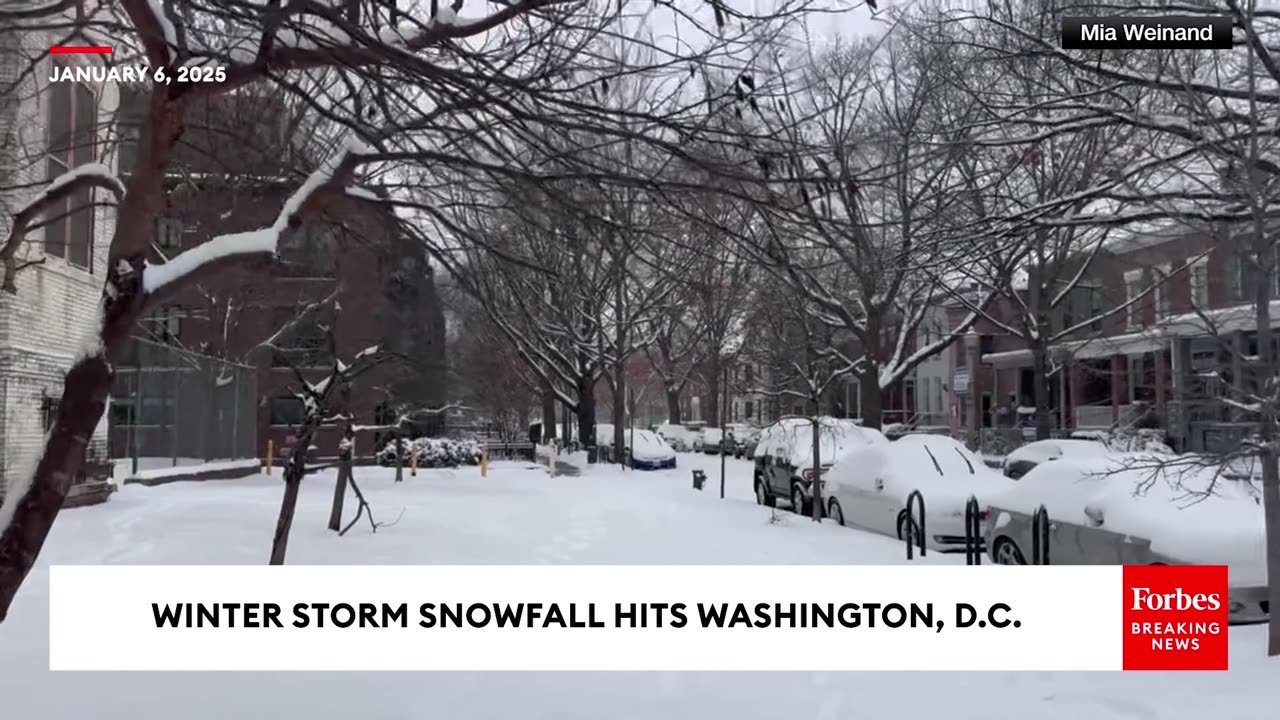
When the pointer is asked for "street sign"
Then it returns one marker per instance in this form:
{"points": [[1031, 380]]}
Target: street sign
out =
{"points": [[960, 382]]}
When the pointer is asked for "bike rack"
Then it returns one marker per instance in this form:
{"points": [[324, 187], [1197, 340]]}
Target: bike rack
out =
{"points": [[972, 532], [1040, 537], [911, 522]]}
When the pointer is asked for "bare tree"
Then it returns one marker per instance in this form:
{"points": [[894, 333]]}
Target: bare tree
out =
{"points": [[401, 98], [1208, 120]]}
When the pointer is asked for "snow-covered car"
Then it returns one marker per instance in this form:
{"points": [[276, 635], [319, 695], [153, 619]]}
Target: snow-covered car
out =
{"points": [[743, 439], [868, 488], [712, 440], [784, 456], [679, 437], [1139, 509], [651, 452], [1023, 459]]}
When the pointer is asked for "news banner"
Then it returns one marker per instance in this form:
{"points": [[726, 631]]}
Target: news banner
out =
{"points": [[638, 618]]}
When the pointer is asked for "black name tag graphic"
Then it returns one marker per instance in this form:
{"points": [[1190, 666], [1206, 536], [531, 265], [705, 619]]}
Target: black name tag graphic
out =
{"points": [[1184, 32]]}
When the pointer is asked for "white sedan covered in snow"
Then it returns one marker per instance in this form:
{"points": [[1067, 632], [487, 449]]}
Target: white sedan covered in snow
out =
{"points": [[1023, 459], [868, 488], [1139, 509], [650, 452]]}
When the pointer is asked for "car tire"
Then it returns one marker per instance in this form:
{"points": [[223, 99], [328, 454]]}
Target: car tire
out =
{"points": [[799, 503], [835, 512], [1006, 552], [763, 496]]}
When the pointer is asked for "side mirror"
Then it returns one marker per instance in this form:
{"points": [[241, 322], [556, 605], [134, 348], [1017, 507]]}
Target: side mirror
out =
{"points": [[879, 483], [1094, 515]]}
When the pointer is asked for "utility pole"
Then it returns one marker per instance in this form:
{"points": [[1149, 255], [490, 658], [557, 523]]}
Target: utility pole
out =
{"points": [[724, 394]]}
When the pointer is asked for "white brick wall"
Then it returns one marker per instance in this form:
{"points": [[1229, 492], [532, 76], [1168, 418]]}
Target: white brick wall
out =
{"points": [[43, 326]]}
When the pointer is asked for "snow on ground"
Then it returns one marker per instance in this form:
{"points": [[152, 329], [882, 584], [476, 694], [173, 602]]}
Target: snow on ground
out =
{"points": [[160, 466], [518, 514]]}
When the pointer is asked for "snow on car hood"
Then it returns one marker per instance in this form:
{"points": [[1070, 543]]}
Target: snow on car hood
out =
{"points": [[648, 446], [1192, 514], [909, 464], [1042, 451]]}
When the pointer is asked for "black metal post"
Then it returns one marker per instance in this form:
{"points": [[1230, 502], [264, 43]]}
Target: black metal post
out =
{"points": [[972, 532], [1040, 537], [911, 523]]}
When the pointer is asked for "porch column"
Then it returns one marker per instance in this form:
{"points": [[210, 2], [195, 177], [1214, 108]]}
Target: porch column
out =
{"points": [[1119, 385], [1075, 382], [1162, 381]]}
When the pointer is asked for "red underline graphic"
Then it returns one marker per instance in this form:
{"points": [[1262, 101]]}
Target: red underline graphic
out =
{"points": [[80, 50]]}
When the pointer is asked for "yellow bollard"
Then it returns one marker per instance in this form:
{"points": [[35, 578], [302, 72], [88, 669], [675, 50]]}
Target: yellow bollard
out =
{"points": [[413, 463], [271, 451], [484, 462]]}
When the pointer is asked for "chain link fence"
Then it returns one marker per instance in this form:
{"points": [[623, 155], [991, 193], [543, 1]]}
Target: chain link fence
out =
{"points": [[173, 407]]}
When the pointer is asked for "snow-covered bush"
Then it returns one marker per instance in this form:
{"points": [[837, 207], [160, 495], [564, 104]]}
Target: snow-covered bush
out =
{"points": [[433, 452]]}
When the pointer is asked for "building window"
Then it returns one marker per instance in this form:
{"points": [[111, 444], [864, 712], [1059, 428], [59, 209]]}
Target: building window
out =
{"points": [[49, 411], [151, 412], [164, 324], [310, 252], [1132, 291], [748, 410], [306, 344], [169, 234], [1162, 291], [1235, 277], [1200, 283], [287, 410], [72, 119]]}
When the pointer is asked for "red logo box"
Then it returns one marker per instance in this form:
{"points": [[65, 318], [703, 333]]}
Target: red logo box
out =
{"points": [[1175, 617]]}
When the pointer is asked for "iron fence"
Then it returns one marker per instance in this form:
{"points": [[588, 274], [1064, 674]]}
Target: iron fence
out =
{"points": [[170, 407]]}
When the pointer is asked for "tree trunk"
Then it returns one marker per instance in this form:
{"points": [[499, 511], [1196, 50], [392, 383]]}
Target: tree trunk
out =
{"points": [[340, 487], [620, 414], [871, 403], [399, 455], [673, 406], [84, 399], [1040, 369], [566, 423], [713, 396], [1270, 469], [816, 485], [339, 494], [548, 418], [586, 412], [293, 474]]}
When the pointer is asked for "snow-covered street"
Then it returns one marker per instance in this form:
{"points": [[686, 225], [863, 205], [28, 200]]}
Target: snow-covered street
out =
{"points": [[520, 515]]}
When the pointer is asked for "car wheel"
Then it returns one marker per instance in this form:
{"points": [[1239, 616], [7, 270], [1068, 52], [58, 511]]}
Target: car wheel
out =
{"points": [[799, 504], [762, 495], [834, 512], [903, 521], [1006, 552]]}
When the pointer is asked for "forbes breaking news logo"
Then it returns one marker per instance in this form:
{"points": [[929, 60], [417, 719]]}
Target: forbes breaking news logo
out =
{"points": [[1147, 33], [1175, 617]]}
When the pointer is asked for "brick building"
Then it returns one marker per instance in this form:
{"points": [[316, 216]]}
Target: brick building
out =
{"points": [[1173, 306], [240, 160], [46, 128]]}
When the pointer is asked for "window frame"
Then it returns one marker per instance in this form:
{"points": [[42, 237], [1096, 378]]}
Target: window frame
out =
{"points": [[1132, 291], [1160, 301], [1198, 281], [81, 205]]}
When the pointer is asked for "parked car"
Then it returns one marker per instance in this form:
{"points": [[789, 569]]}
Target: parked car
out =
{"points": [[739, 436], [651, 452], [712, 440], [1139, 509], [679, 437], [1023, 459], [869, 487], [784, 456]]}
